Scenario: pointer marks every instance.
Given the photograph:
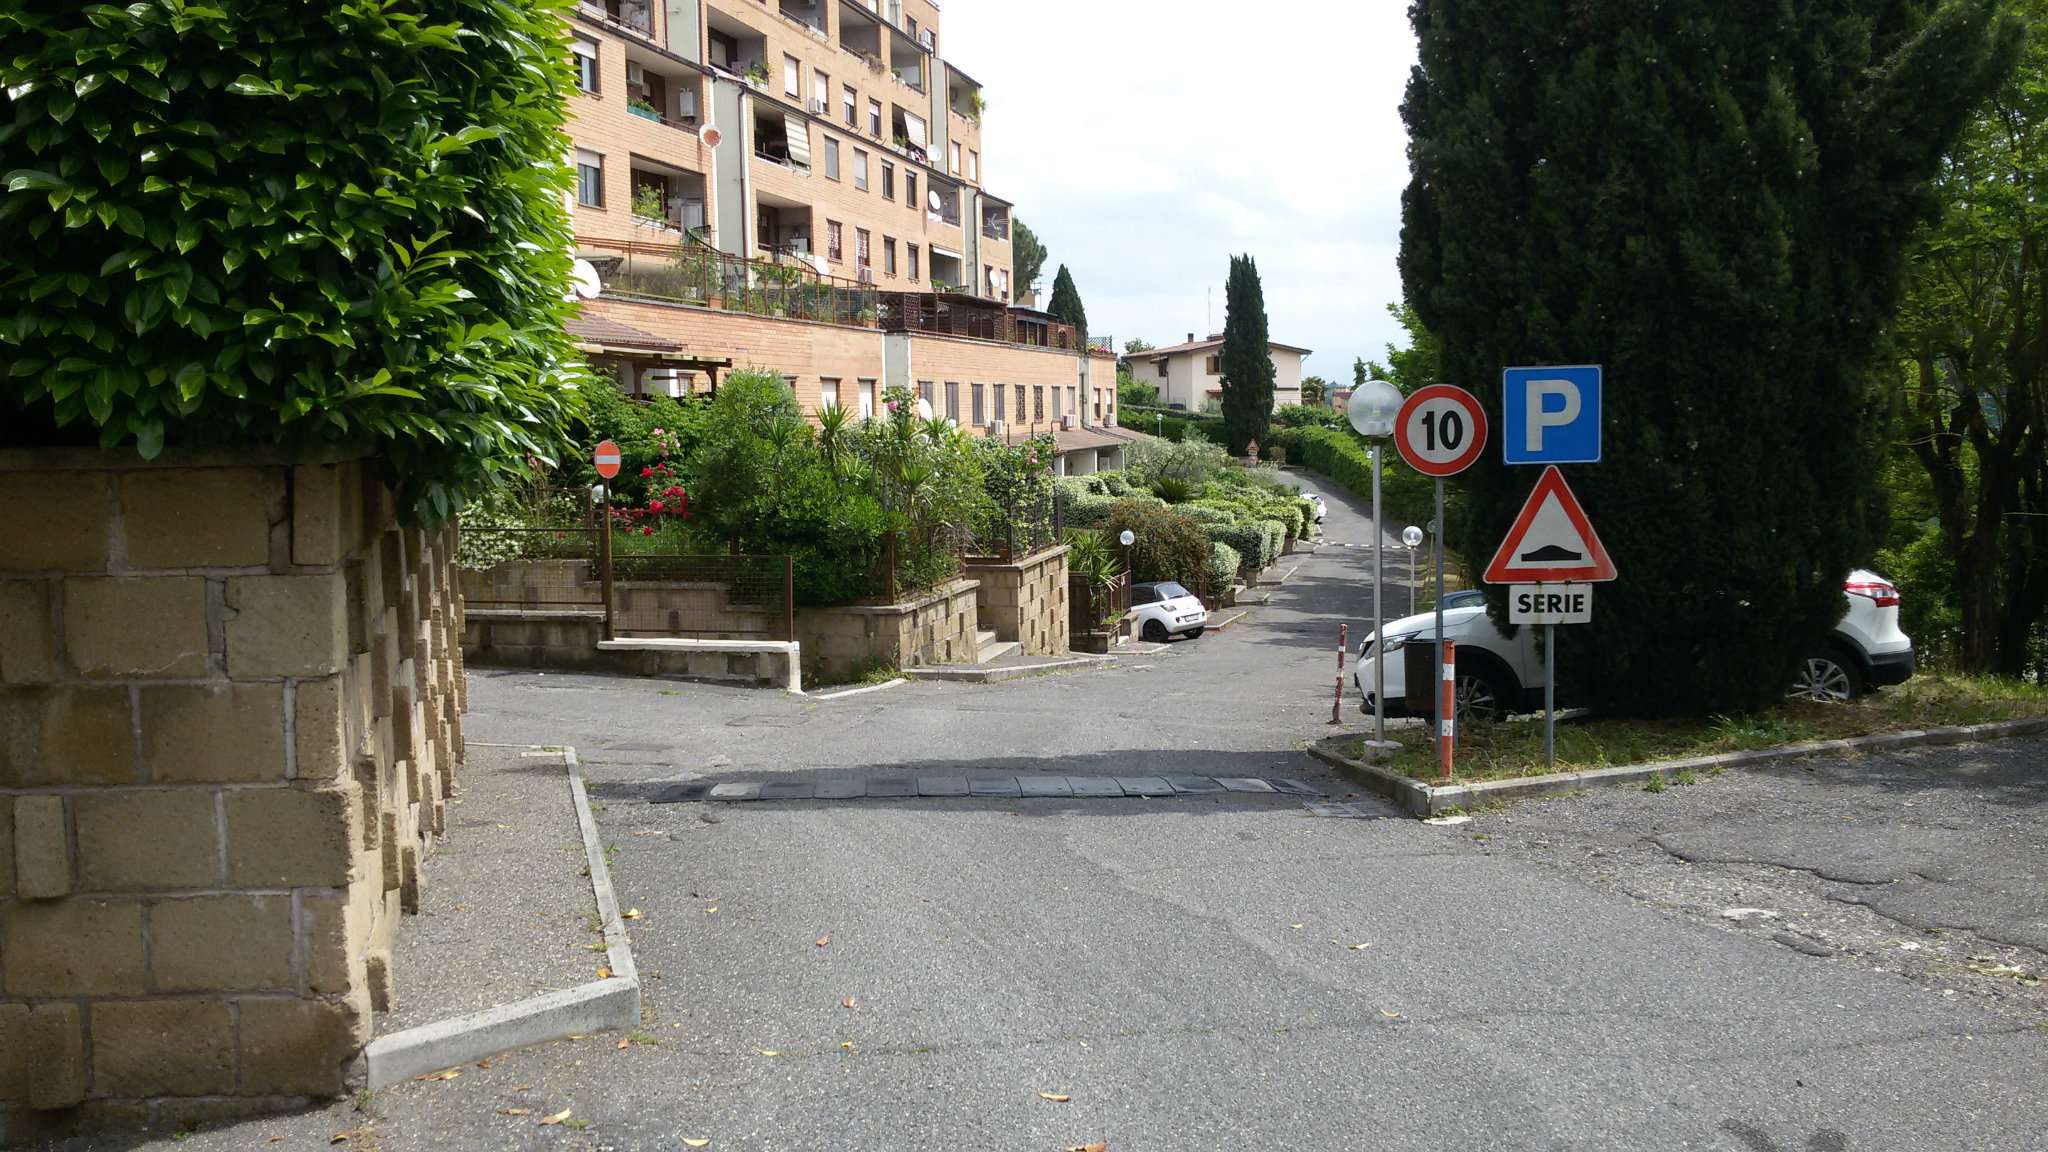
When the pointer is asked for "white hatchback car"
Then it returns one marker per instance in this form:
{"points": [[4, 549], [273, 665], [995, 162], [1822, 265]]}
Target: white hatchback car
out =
{"points": [[1162, 609], [1500, 674]]}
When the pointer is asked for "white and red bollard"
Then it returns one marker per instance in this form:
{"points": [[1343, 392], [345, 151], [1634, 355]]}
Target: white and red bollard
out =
{"points": [[1447, 709], [1337, 705]]}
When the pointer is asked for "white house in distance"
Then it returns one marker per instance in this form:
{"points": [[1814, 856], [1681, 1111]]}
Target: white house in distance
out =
{"points": [[1190, 375]]}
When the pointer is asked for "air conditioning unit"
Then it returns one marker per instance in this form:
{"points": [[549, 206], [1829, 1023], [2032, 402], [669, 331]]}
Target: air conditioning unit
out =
{"points": [[866, 276], [800, 245], [662, 382], [924, 38], [635, 74], [998, 428], [817, 107]]}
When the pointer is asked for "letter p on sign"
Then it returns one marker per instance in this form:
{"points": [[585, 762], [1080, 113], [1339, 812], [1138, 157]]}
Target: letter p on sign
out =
{"points": [[1551, 415]]}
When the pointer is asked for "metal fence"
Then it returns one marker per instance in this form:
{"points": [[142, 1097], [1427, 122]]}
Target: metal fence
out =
{"points": [[725, 597], [1020, 526], [696, 274], [1091, 606], [548, 568]]}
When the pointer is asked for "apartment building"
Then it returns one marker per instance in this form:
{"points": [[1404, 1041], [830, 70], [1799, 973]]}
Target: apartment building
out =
{"points": [[1190, 375], [799, 186]]}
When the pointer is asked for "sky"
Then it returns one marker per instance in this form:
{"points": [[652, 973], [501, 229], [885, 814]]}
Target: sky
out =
{"points": [[1146, 142]]}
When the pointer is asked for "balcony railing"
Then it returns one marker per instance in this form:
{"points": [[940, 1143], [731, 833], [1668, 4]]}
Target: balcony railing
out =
{"points": [[928, 312], [631, 27], [646, 113], [695, 274]]}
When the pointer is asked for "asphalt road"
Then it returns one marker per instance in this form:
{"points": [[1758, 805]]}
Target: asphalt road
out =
{"points": [[1189, 973]]}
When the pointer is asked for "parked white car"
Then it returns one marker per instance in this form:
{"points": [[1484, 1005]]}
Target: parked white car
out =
{"points": [[1321, 508], [1499, 674], [1162, 609]]}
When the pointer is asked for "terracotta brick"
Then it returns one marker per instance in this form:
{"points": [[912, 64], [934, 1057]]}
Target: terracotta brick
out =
{"points": [[72, 948], [230, 943], [28, 641], [67, 734], [136, 628], [143, 841], [287, 625], [198, 517], [54, 520], [213, 732], [292, 837], [163, 1048], [42, 850], [320, 728], [56, 1056], [297, 1047]]}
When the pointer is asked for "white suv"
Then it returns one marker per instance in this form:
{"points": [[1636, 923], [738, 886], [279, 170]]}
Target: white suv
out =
{"points": [[1500, 674]]}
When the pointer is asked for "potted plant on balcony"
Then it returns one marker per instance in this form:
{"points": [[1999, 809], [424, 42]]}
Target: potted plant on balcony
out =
{"points": [[757, 74], [976, 105], [642, 107]]}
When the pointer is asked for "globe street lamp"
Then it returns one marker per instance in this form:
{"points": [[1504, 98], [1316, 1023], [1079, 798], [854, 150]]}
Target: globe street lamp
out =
{"points": [[1371, 410], [1411, 538]]}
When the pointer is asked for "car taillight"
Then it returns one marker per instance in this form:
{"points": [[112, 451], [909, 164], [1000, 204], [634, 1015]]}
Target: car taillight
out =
{"points": [[1877, 592]]}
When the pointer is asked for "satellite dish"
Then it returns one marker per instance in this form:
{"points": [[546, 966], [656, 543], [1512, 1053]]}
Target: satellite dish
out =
{"points": [[584, 280], [709, 136], [932, 197], [924, 409]]}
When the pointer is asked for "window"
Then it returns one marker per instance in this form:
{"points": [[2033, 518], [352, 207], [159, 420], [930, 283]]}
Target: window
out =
{"points": [[586, 63], [1161, 363], [589, 179], [831, 158], [875, 118], [910, 189], [1020, 402], [860, 169], [849, 100], [910, 26], [1213, 366], [792, 76], [1000, 393], [888, 255], [867, 399], [835, 249], [954, 154], [821, 92], [862, 256], [1037, 403], [928, 392], [953, 401], [973, 165], [980, 404], [888, 180], [828, 393], [910, 260]]}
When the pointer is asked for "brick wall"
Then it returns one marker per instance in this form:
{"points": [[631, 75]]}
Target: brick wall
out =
{"points": [[1026, 601], [229, 721]]}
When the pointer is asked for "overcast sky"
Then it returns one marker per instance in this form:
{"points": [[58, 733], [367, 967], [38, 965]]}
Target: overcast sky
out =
{"points": [[1147, 141]]}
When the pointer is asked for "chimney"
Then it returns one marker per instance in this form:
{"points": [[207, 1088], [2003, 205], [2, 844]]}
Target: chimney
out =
{"points": [[1191, 337]]}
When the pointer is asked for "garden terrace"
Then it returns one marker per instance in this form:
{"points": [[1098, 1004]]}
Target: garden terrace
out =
{"points": [[695, 274], [957, 314]]}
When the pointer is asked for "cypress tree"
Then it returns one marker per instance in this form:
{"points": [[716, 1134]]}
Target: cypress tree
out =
{"points": [[1711, 200], [1066, 303], [1247, 358]]}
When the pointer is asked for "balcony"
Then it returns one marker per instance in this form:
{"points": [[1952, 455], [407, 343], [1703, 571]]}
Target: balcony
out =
{"points": [[860, 32], [809, 13], [782, 137], [942, 202], [911, 64], [738, 47], [947, 314], [673, 98], [668, 203], [963, 94], [782, 232], [995, 222], [908, 132], [633, 17]]}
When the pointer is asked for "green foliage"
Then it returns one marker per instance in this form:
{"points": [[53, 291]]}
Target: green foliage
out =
{"points": [[1132, 392], [1247, 358], [1172, 423], [1027, 256], [291, 225], [1093, 557], [1406, 496], [1308, 416], [1713, 201], [1018, 481], [1170, 546], [1173, 489], [1065, 305], [1315, 392], [1146, 462], [1224, 565]]}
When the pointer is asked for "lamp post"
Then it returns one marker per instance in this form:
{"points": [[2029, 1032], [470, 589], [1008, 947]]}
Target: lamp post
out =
{"points": [[1372, 409], [1127, 538], [1411, 538]]}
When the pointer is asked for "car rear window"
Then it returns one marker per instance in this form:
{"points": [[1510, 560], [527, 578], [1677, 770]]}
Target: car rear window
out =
{"points": [[1168, 590]]}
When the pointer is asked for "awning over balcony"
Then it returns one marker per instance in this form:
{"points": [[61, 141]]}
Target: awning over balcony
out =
{"points": [[799, 132]]}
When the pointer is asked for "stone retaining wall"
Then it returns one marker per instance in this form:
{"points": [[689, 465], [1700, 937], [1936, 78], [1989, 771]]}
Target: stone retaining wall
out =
{"points": [[843, 642], [229, 722], [1026, 601]]}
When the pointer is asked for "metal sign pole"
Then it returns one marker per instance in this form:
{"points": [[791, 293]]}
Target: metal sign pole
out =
{"points": [[1379, 618], [1549, 698], [1444, 723]]}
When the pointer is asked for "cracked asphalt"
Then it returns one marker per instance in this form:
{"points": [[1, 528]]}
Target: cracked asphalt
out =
{"points": [[1228, 972]]}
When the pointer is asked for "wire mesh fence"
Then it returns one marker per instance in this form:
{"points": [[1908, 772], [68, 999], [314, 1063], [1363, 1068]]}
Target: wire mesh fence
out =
{"points": [[1021, 525], [540, 568], [704, 597]]}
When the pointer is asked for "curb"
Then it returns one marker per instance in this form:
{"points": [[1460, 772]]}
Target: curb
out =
{"points": [[845, 692], [598, 1006], [1233, 618], [998, 675], [1430, 800]]}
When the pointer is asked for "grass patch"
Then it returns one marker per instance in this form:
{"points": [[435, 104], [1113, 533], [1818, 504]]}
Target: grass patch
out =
{"points": [[1929, 700]]}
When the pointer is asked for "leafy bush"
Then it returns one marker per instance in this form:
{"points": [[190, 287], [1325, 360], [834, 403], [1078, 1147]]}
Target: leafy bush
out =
{"points": [[1243, 537], [1147, 462], [1086, 510], [1172, 489], [1018, 481], [1307, 416], [1206, 513], [1093, 557], [1224, 565], [1406, 496], [290, 224], [1169, 546]]}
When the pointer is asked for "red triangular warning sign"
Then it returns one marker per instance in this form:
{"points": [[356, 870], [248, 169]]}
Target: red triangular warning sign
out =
{"points": [[1552, 542]]}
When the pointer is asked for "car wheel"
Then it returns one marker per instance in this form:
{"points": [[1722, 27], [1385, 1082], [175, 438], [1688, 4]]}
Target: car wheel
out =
{"points": [[1155, 632], [1194, 632], [1829, 677], [1482, 697]]}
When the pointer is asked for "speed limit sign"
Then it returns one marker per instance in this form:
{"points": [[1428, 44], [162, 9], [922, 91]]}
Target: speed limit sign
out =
{"points": [[1441, 430]]}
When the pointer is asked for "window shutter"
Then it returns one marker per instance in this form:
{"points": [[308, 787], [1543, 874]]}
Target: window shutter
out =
{"points": [[799, 131]]}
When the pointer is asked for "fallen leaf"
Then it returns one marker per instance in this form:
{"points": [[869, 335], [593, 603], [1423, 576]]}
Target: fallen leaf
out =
{"points": [[1295, 925], [603, 973], [1055, 1097], [515, 1111], [847, 1044], [458, 907], [1361, 947], [710, 910], [695, 1143], [1088, 1148], [824, 940], [446, 1074], [273, 1139], [485, 1063], [632, 913], [1390, 1015], [848, 1001], [770, 1052], [522, 1087], [625, 1042], [557, 1118], [342, 1137]]}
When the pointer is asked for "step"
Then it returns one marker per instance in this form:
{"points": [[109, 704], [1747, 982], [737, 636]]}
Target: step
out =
{"points": [[984, 637], [995, 650]]}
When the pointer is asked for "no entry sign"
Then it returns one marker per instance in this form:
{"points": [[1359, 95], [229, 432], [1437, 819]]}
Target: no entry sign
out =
{"points": [[607, 459], [1441, 430]]}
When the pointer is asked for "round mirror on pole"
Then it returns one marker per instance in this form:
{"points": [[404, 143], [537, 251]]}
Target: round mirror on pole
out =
{"points": [[1411, 536], [1372, 410]]}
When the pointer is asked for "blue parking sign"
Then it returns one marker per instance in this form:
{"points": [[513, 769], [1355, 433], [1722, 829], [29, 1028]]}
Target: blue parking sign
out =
{"points": [[1551, 415]]}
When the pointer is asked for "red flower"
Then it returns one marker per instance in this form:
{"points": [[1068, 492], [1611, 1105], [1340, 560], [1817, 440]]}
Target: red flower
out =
{"points": [[654, 506], [647, 531], [646, 472]]}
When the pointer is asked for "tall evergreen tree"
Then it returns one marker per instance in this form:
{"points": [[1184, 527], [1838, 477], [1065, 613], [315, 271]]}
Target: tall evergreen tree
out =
{"points": [[1712, 200], [1247, 358], [1027, 253], [1066, 303]]}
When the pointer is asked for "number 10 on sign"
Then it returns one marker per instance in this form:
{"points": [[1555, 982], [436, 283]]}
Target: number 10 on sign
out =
{"points": [[1441, 431]]}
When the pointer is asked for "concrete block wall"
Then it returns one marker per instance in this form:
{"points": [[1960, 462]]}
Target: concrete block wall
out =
{"points": [[230, 699], [937, 627], [1026, 601]]}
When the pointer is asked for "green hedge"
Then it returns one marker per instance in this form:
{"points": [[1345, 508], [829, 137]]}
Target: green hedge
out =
{"points": [[1224, 565], [292, 224], [1406, 496], [1170, 545]]}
